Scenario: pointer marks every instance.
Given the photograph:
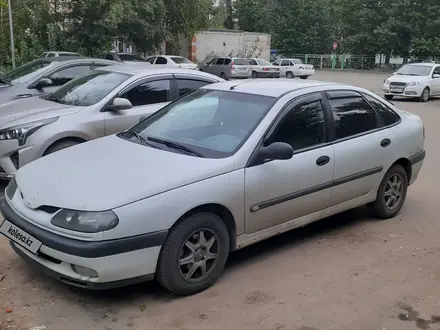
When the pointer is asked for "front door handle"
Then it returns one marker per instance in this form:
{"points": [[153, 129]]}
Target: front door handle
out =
{"points": [[385, 143], [323, 160]]}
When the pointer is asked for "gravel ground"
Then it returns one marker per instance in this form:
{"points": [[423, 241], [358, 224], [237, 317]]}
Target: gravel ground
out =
{"points": [[344, 272]]}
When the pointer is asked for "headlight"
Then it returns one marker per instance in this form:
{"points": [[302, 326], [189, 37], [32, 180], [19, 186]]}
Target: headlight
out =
{"points": [[301, 68], [85, 222], [23, 131], [414, 83], [386, 81]]}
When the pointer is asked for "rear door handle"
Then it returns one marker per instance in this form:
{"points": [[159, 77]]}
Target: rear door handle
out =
{"points": [[323, 160], [385, 143]]}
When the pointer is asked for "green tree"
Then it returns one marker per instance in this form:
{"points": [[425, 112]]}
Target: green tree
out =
{"points": [[254, 15]]}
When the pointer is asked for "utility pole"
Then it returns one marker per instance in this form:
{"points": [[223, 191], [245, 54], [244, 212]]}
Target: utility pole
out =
{"points": [[11, 30]]}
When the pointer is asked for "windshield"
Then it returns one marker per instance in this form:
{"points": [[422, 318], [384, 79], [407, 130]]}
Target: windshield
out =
{"points": [[181, 60], [209, 123], [296, 61], [263, 62], [415, 70], [241, 61], [89, 88], [27, 72], [130, 57]]}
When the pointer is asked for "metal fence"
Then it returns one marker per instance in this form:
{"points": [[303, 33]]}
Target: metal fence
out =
{"points": [[345, 62]]}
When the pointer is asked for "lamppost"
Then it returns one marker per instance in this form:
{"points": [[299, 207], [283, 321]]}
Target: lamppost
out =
{"points": [[11, 31]]}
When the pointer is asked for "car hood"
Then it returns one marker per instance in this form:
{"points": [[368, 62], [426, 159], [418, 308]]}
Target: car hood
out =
{"points": [[109, 172], [23, 111], [7, 92], [406, 79]]}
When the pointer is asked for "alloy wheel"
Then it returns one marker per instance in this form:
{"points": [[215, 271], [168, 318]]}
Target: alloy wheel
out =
{"points": [[393, 191]]}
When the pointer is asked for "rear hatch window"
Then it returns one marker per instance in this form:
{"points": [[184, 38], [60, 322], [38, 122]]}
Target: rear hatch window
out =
{"points": [[241, 61]]}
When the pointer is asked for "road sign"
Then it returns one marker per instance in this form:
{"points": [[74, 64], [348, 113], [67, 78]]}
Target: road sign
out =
{"points": [[335, 45]]}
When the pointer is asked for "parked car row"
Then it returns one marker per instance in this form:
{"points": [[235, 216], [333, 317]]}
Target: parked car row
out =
{"points": [[233, 67], [175, 187]]}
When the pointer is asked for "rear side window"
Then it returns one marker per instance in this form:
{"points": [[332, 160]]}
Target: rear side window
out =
{"points": [[220, 61], [161, 60], [227, 61], [389, 117], [352, 114]]}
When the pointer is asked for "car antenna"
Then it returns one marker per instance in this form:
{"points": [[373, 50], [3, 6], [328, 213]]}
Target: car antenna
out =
{"points": [[244, 82]]}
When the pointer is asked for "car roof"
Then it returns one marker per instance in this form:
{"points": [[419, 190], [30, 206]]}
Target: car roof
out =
{"points": [[424, 63], [142, 69], [77, 59], [273, 88]]}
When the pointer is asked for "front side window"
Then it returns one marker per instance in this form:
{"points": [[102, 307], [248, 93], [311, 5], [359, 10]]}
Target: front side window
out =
{"points": [[436, 70], [186, 86], [88, 89], [63, 76], [151, 59], [220, 61], [181, 60], [415, 70], [297, 61], [130, 57], [161, 60], [285, 63], [51, 55], [388, 115], [352, 114], [303, 127], [211, 123], [109, 57], [27, 72], [149, 93]]}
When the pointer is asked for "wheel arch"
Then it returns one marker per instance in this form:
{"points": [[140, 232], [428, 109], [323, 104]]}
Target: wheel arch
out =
{"points": [[222, 212], [68, 138], [407, 166]]}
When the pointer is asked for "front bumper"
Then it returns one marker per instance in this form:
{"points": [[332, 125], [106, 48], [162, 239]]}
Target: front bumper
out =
{"points": [[407, 91], [117, 262], [13, 156]]}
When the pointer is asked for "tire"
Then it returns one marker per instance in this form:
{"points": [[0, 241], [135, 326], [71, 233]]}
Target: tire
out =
{"points": [[290, 75], [224, 76], [389, 97], [304, 77], [172, 275], [379, 207], [425, 95], [57, 146], [254, 74]]}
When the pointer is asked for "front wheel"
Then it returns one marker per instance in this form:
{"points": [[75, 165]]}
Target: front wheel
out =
{"points": [[391, 194], [290, 75], [194, 254], [304, 77], [425, 95]]}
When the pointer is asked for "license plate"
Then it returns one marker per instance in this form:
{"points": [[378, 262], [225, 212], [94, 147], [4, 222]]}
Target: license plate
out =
{"points": [[20, 237], [397, 90]]}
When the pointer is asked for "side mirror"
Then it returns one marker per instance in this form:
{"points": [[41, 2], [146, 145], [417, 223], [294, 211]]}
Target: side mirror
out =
{"points": [[119, 104], [436, 76], [43, 82], [276, 150]]}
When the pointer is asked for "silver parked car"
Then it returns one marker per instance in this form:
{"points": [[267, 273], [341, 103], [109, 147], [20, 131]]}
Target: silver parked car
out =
{"points": [[99, 103], [59, 54], [219, 169], [228, 67], [293, 67], [43, 76]]}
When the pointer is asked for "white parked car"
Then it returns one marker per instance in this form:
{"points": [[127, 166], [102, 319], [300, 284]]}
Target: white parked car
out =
{"points": [[172, 61], [293, 67], [224, 167], [418, 80], [260, 68]]}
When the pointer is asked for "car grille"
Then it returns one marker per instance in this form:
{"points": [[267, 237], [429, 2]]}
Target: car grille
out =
{"points": [[398, 84]]}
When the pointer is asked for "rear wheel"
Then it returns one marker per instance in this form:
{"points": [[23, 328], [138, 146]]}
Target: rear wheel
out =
{"points": [[425, 95], [57, 146], [194, 254], [254, 74], [391, 194], [289, 75], [388, 97]]}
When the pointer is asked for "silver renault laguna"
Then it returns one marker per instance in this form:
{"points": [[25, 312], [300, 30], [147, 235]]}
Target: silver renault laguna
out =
{"points": [[226, 166]]}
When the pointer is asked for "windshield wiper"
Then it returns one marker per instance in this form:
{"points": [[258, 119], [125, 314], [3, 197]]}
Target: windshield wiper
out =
{"points": [[138, 137], [175, 145]]}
